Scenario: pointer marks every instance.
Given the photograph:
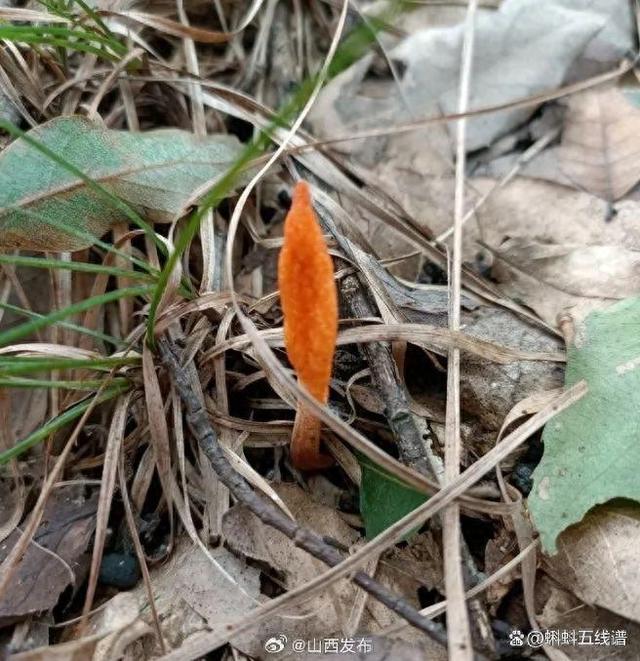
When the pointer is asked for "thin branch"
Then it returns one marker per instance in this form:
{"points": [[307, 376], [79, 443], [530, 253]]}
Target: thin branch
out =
{"points": [[383, 374]]}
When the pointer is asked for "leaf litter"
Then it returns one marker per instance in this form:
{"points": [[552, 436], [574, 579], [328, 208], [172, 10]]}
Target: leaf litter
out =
{"points": [[548, 235]]}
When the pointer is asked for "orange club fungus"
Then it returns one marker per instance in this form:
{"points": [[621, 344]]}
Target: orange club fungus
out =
{"points": [[310, 305]]}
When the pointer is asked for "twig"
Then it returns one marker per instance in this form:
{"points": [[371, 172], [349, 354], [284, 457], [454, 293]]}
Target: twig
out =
{"points": [[266, 511], [383, 374]]}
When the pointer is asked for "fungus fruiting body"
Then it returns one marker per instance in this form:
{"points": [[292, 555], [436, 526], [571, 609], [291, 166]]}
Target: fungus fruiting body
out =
{"points": [[310, 306]]}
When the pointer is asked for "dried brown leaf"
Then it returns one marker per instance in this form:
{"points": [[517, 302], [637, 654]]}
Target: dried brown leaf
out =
{"points": [[601, 143], [54, 559], [192, 595], [573, 277], [113, 628], [598, 559], [564, 611]]}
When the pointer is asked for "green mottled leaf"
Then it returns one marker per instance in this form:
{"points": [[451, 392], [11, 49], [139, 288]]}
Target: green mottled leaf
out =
{"points": [[592, 449], [46, 204], [383, 498]]}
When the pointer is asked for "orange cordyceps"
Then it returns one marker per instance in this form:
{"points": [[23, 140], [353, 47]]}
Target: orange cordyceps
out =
{"points": [[310, 305]]}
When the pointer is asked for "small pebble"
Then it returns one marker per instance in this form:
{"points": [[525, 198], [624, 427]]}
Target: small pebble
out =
{"points": [[119, 570]]}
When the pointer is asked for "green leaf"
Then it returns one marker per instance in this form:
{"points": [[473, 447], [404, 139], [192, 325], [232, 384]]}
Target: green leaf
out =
{"points": [[592, 449], [47, 206], [384, 499]]}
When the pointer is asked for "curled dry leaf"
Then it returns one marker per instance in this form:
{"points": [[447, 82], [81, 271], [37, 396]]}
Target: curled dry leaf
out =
{"points": [[601, 143]]}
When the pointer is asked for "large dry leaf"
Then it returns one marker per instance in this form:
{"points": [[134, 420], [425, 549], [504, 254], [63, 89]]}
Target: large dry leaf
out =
{"points": [[526, 208], [44, 206], [598, 559], [553, 279], [519, 51], [600, 150]]}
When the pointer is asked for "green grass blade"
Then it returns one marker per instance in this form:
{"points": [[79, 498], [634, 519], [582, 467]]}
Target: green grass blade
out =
{"points": [[81, 47], [97, 335], [14, 365], [57, 423], [85, 384], [101, 25], [12, 335], [82, 267]]}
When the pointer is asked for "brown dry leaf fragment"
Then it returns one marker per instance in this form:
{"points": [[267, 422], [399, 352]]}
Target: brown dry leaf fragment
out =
{"points": [[55, 559], [564, 611], [192, 595], [497, 553], [113, 628], [598, 559], [538, 210], [325, 614], [552, 278], [601, 143], [368, 398], [404, 570]]}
